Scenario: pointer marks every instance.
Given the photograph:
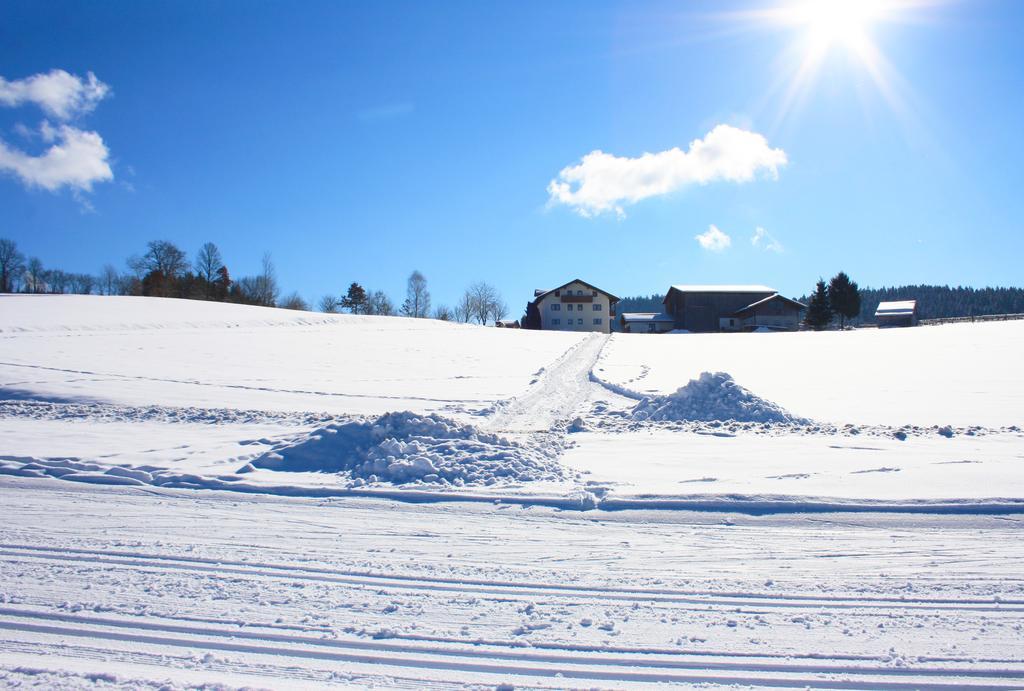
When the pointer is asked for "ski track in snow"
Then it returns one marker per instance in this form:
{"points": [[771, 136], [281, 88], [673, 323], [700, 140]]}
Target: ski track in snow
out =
{"points": [[289, 593]]}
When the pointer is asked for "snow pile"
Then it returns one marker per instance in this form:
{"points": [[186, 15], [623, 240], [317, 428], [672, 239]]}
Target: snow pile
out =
{"points": [[406, 447], [712, 396]]}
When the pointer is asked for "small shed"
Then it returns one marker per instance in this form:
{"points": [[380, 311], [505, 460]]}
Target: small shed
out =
{"points": [[507, 323], [647, 322], [896, 313]]}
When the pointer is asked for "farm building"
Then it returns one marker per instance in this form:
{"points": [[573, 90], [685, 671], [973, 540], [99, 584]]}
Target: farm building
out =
{"points": [[576, 306], [507, 323], [712, 308], [647, 322], [898, 313]]}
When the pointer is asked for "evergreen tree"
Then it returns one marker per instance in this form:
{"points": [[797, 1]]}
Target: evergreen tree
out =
{"points": [[819, 311], [221, 284], [532, 318], [844, 298], [355, 300]]}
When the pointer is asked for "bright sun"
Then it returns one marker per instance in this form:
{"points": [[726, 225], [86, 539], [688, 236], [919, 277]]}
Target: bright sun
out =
{"points": [[829, 24], [823, 29]]}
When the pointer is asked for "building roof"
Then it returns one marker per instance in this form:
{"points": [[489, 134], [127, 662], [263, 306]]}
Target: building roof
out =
{"points": [[683, 288], [896, 308], [647, 317], [538, 295], [762, 301]]}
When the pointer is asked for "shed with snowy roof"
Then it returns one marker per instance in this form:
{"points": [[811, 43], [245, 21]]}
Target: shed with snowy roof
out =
{"points": [[896, 313], [711, 308], [647, 322]]}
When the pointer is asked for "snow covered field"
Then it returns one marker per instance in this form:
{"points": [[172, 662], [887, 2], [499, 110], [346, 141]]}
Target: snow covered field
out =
{"points": [[198, 493]]}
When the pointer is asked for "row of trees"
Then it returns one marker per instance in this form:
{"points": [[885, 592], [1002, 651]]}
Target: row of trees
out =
{"points": [[480, 302], [165, 270], [840, 298]]}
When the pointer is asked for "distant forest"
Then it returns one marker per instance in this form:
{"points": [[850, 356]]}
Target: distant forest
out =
{"points": [[939, 302], [933, 302]]}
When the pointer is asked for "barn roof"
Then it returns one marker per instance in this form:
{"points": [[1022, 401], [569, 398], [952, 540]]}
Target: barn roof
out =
{"points": [[647, 317], [896, 308], [768, 299], [686, 288], [540, 294]]}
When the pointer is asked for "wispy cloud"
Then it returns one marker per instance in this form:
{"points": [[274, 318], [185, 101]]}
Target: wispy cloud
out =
{"points": [[602, 182], [74, 158], [714, 240], [765, 240], [384, 112], [60, 94]]}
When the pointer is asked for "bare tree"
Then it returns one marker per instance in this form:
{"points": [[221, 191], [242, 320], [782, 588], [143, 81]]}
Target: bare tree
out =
{"points": [[499, 310], [208, 262], [417, 297], [165, 257], [262, 289], [444, 314], [329, 304], [380, 304], [108, 280], [81, 284], [294, 302], [35, 276], [483, 298], [12, 262], [464, 310], [57, 281]]}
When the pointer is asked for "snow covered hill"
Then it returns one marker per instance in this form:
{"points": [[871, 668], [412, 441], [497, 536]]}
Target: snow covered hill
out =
{"points": [[197, 493], [954, 374]]}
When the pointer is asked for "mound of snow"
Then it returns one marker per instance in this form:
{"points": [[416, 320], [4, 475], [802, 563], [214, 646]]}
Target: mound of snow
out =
{"points": [[406, 447], [712, 396]]}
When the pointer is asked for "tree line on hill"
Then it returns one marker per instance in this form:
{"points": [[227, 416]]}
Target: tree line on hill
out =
{"points": [[164, 270]]}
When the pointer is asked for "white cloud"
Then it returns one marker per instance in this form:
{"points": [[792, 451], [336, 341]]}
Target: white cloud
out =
{"points": [[62, 95], [75, 159], [602, 182], [765, 240], [714, 240]]}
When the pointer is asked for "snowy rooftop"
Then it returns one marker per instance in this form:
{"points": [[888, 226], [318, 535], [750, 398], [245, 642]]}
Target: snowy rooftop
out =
{"points": [[685, 288], [646, 317], [768, 299], [897, 307]]}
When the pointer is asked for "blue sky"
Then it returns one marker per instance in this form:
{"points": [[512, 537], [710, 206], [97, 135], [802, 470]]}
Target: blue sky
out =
{"points": [[360, 141]]}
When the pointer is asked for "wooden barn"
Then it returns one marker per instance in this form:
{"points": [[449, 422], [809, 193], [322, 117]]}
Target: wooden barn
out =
{"points": [[897, 313], [712, 308]]}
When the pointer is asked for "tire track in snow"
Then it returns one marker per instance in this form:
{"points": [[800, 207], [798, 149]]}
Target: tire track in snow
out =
{"points": [[521, 663], [557, 396], [521, 588]]}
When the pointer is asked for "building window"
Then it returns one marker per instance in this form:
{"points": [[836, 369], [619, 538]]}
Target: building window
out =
{"points": [[597, 321], [555, 307], [569, 307], [579, 292], [597, 306], [593, 293], [651, 327], [556, 322], [557, 293], [580, 322]]}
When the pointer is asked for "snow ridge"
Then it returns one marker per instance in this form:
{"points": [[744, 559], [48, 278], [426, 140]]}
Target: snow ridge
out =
{"points": [[714, 396], [405, 447]]}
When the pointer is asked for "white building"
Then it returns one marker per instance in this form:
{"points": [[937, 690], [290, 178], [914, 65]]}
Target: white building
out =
{"points": [[647, 322], [576, 306]]}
